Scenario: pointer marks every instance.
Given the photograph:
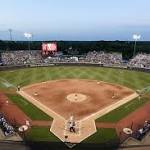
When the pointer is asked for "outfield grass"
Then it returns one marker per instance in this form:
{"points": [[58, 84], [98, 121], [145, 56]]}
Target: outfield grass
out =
{"points": [[122, 111], [29, 109], [41, 134], [131, 79]]}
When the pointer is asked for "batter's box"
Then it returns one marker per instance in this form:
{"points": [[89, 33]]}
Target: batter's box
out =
{"points": [[76, 127], [84, 99], [85, 129]]}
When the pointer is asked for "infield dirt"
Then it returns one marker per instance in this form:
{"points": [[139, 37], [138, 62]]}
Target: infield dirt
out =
{"points": [[99, 95]]}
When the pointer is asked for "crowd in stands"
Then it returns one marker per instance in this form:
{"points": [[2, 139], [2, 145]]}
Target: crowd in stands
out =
{"points": [[106, 59], [91, 57], [21, 57], [141, 132], [140, 61], [5, 126], [34, 57]]}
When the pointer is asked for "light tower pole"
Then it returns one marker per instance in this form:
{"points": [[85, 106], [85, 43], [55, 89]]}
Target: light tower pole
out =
{"points": [[10, 34], [136, 37], [28, 36]]}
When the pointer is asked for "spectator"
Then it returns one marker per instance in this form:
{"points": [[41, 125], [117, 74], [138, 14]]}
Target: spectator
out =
{"points": [[140, 61], [21, 57]]}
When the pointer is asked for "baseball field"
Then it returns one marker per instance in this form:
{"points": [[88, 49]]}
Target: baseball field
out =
{"points": [[40, 85]]}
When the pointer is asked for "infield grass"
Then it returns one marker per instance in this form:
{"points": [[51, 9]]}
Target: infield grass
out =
{"points": [[122, 111], [29, 109], [132, 79]]}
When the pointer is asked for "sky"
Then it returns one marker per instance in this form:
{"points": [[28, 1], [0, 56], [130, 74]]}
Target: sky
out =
{"points": [[75, 19]]}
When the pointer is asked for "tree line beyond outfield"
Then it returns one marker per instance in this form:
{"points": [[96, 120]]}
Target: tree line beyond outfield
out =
{"points": [[81, 47]]}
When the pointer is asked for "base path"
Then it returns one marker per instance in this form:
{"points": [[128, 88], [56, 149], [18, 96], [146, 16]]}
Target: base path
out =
{"points": [[12, 112], [135, 120], [86, 100], [15, 115], [105, 125]]}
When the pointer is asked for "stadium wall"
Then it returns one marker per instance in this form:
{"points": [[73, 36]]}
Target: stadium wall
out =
{"points": [[12, 67]]}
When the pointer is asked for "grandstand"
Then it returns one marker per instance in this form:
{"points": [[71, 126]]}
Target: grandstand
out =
{"points": [[140, 61], [32, 87], [113, 59]]}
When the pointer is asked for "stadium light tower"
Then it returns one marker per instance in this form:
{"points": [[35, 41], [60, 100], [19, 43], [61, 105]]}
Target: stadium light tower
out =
{"points": [[10, 34], [28, 36], [136, 37]]}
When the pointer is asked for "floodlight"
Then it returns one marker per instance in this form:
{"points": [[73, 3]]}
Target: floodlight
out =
{"points": [[27, 35], [136, 37]]}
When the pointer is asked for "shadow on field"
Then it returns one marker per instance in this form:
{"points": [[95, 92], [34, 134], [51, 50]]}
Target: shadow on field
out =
{"points": [[9, 145], [62, 146]]}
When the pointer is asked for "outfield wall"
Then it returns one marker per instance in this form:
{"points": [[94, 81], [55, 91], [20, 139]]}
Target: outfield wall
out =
{"points": [[12, 67]]}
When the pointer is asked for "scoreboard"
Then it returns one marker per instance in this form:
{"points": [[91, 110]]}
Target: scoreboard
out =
{"points": [[49, 48]]}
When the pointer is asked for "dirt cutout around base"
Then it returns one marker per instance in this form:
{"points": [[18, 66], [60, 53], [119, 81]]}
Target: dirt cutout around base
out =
{"points": [[90, 100]]}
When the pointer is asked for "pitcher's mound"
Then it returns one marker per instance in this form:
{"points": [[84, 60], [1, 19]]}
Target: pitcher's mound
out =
{"points": [[76, 97]]}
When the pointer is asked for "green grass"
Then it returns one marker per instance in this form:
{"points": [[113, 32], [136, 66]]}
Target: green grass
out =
{"points": [[122, 111], [102, 135], [131, 79], [29, 109], [41, 134]]}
